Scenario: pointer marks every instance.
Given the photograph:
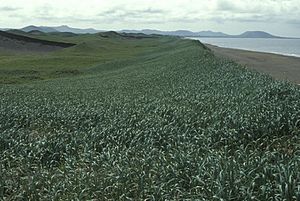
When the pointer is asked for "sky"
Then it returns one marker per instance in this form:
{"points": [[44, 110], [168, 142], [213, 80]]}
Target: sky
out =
{"points": [[279, 17]]}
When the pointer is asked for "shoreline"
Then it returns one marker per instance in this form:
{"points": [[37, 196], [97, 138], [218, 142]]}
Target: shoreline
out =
{"points": [[244, 49], [280, 67]]}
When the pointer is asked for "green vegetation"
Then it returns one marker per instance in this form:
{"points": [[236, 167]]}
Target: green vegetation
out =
{"points": [[147, 119], [91, 50]]}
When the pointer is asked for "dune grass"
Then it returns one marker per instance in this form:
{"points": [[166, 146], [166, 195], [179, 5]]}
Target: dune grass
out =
{"points": [[160, 119], [91, 50]]}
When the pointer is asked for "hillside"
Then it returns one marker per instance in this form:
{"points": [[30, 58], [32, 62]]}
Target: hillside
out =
{"points": [[10, 41], [159, 118], [62, 28], [70, 54]]}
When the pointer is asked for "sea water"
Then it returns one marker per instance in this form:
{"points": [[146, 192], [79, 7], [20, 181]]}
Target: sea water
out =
{"points": [[289, 47]]}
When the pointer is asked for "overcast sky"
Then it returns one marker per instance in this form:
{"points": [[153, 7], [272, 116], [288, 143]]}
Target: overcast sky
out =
{"points": [[280, 17]]}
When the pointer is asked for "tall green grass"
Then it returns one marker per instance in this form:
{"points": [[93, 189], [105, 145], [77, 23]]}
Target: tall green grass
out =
{"points": [[90, 50], [174, 123]]}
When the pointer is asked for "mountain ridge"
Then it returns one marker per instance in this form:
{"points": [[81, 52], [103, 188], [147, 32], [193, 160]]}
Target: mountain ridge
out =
{"points": [[186, 33], [62, 28], [257, 34], [65, 28], [181, 33], [38, 28]]}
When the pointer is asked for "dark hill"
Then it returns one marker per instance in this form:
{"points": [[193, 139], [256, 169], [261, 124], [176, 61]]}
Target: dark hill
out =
{"points": [[42, 29], [17, 32], [66, 28], [10, 41], [113, 34], [62, 34], [110, 34], [256, 34], [63, 28], [36, 32]]}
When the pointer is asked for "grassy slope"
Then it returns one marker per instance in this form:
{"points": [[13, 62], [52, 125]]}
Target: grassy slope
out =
{"points": [[172, 122], [91, 50]]}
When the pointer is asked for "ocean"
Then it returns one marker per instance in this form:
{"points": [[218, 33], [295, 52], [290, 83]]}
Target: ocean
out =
{"points": [[289, 47]]}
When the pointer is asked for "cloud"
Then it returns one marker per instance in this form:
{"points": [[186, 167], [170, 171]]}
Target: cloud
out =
{"points": [[226, 5], [9, 9], [131, 13], [166, 14], [146, 15]]}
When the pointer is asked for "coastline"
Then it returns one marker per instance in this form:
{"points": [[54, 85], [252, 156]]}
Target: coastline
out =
{"points": [[281, 67]]}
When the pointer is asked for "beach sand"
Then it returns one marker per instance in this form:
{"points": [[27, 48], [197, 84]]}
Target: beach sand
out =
{"points": [[278, 66]]}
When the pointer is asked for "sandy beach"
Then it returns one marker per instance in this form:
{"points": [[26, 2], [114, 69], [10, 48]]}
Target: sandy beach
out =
{"points": [[278, 66]]}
